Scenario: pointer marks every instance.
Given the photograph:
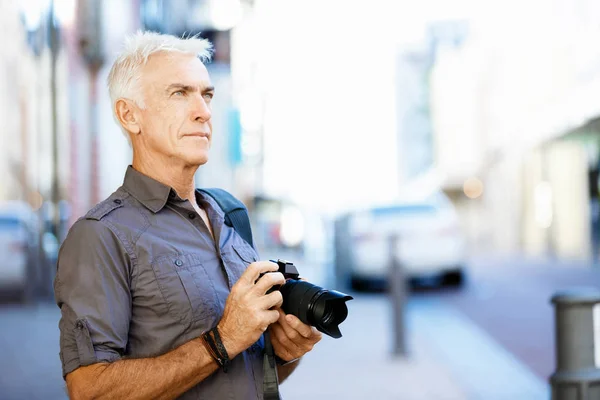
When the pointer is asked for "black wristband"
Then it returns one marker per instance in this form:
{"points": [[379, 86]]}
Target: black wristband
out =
{"points": [[216, 348]]}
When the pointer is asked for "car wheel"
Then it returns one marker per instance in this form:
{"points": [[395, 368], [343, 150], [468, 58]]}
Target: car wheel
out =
{"points": [[358, 284], [454, 278]]}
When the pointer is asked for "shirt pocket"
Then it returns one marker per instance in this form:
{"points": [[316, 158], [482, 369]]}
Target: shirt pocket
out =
{"points": [[243, 255], [245, 252], [188, 291]]}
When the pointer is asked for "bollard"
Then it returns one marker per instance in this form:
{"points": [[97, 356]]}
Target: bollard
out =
{"points": [[397, 288], [577, 335]]}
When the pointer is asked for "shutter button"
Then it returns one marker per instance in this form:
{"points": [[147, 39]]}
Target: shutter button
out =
{"points": [[178, 262]]}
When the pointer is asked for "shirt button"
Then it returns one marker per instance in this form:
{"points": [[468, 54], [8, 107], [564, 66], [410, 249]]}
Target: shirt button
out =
{"points": [[117, 201], [79, 324], [192, 215], [178, 262]]}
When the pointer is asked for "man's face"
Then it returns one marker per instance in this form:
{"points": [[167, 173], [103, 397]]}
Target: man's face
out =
{"points": [[176, 121]]}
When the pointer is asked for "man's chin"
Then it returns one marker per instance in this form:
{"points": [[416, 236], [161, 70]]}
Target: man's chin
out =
{"points": [[198, 159], [193, 157]]}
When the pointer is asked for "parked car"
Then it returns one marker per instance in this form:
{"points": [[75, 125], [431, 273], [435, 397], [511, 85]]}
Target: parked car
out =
{"points": [[430, 243], [19, 250]]}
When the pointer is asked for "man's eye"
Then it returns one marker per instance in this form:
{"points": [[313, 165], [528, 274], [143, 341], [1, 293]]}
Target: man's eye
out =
{"points": [[208, 96], [178, 93]]}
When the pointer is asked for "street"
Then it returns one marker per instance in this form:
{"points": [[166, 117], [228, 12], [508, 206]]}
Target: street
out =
{"points": [[491, 339], [510, 300], [29, 361]]}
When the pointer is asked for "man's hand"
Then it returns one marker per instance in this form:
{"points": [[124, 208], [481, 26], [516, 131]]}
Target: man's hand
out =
{"points": [[248, 310], [291, 338]]}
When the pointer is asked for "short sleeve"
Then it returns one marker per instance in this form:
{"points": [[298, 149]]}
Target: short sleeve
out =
{"points": [[92, 290]]}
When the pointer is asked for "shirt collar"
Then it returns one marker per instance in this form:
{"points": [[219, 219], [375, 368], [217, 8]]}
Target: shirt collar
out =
{"points": [[148, 191], [213, 205]]}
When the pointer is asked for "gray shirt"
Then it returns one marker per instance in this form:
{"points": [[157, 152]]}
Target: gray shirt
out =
{"points": [[140, 275]]}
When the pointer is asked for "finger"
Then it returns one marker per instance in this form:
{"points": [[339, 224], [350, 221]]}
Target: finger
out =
{"points": [[267, 281], [254, 270], [294, 323], [316, 335], [274, 299], [281, 342], [279, 348], [278, 335], [272, 316], [316, 332], [268, 317], [290, 332], [281, 315]]}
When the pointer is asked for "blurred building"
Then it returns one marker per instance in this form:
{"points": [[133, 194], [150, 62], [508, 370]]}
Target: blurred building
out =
{"points": [[414, 128], [516, 137], [329, 110], [13, 134], [60, 143], [33, 105]]}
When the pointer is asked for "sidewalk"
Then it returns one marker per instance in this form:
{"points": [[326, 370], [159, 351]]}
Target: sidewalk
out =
{"points": [[360, 365]]}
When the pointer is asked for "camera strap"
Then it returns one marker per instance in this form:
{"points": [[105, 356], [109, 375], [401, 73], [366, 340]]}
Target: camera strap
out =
{"points": [[270, 380]]}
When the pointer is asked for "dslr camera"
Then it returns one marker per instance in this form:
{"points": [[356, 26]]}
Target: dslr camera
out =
{"points": [[324, 309]]}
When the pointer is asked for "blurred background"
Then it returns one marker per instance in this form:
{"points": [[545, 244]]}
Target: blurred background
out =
{"points": [[467, 130]]}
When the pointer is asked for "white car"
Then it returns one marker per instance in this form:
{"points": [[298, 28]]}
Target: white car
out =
{"points": [[18, 243], [430, 242]]}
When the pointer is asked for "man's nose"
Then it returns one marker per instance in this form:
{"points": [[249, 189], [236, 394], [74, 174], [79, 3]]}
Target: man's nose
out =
{"points": [[201, 111]]}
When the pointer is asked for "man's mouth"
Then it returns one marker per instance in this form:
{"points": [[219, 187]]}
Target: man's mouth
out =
{"points": [[197, 134]]}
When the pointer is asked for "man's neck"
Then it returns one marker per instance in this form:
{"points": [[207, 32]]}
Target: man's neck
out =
{"points": [[176, 176]]}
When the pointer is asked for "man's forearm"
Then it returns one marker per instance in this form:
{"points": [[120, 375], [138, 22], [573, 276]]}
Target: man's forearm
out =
{"points": [[283, 371], [163, 377]]}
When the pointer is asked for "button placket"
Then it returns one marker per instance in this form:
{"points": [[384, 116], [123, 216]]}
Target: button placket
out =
{"points": [[224, 260]]}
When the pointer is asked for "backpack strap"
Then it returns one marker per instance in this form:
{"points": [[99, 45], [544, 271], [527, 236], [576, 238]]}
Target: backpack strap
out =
{"points": [[236, 213]]}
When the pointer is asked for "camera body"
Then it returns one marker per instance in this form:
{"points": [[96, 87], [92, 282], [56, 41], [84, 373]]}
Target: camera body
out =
{"points": [[288, 270], [313, 305]]}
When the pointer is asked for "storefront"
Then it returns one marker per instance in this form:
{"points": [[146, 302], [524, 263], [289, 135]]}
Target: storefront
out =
{"points": [[514, 96]]}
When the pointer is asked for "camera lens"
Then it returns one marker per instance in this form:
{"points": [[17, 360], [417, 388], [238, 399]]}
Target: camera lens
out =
{"points": [[313, 305], [328, 317]]}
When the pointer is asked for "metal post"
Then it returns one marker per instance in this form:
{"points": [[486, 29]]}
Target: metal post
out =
{"points": [[342, 251], [577, 324], [397, 287], [55, 188]]}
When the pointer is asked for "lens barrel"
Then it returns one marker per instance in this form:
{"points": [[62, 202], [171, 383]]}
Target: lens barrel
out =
{"points": [[315, 306]]}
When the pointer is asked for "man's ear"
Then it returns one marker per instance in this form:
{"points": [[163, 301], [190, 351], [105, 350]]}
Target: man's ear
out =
{"points": [[128, 115]]}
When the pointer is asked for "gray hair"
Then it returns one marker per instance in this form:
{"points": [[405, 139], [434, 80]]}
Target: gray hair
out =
{"points": [[124, 77]]}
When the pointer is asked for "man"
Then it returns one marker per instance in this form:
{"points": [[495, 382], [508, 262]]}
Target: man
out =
{"points": [[153, 267]]}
